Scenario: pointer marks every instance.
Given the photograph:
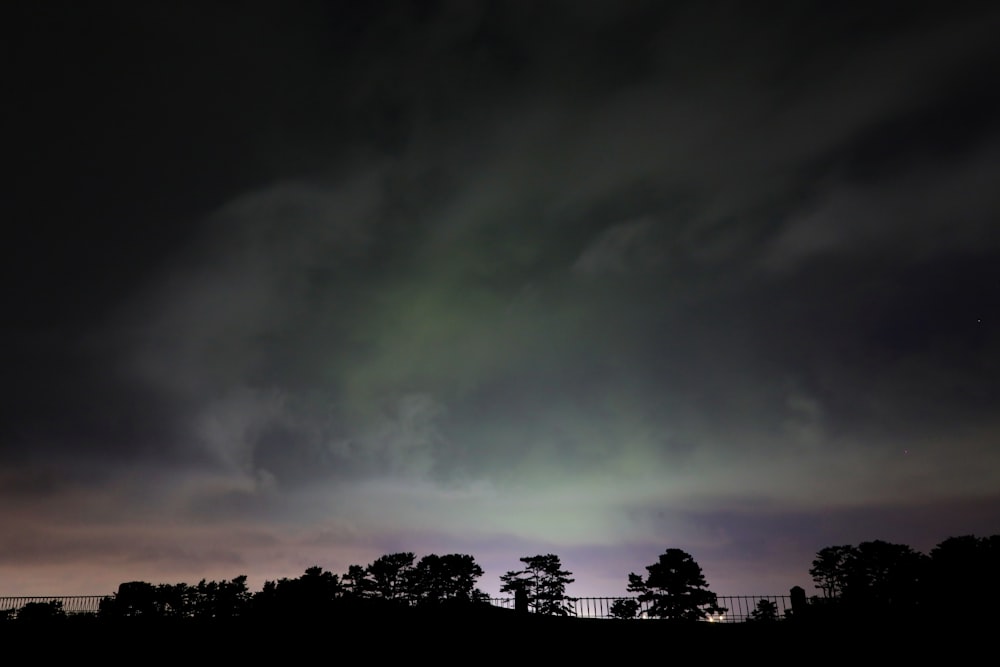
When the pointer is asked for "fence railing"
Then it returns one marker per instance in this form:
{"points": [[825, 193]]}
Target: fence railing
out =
{"points": [[739, 608], [71, 604]]}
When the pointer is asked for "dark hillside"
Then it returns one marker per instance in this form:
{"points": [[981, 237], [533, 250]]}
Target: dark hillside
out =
{"points": [[479, 634]]}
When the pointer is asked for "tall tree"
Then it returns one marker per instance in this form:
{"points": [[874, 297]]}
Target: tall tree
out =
{"points": [[544, 582], [675, 588], [882, 574], [829, 569], [390, 576], [870, 577], [448, 577]]}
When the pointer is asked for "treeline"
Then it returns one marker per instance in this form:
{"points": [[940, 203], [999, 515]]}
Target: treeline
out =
{"points": [[876, 579], [960, 576], [396, 579], [393, 579]]}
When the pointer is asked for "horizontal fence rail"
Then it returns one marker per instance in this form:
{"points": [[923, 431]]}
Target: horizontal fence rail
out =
{"points": [[739, 608]]}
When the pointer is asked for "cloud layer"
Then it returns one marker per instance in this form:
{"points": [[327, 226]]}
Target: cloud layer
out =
{"points": [[573, 278]]}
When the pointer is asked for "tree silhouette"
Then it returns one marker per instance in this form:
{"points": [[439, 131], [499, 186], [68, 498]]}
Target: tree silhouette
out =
{"points": [[624, 608], [675, 588], [544, 582], [313, 594], [209, 599], [357, 583], [883, 575], [766, 611], [134, 599], [41, 612], [830, 569], [443, 578], [220, 599], [870, 578], [175, 600], [963, 576], [390, 576]]}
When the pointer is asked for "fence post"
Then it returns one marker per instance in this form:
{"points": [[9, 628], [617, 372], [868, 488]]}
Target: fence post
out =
{"points": [[521, 600], [798, 601]]}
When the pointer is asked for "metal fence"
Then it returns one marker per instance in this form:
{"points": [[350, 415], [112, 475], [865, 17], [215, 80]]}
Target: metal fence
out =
{"points": [[71, 604], [739, 608]]}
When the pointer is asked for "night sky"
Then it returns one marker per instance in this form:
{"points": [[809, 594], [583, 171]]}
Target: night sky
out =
{"points": [[303, 283]]}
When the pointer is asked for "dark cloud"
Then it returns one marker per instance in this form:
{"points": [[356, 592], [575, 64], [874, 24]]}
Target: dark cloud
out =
{"points": [[596, 278]]}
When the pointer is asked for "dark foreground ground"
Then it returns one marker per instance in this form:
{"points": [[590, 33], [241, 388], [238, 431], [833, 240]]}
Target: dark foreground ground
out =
{"points": [[488, 636]]}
